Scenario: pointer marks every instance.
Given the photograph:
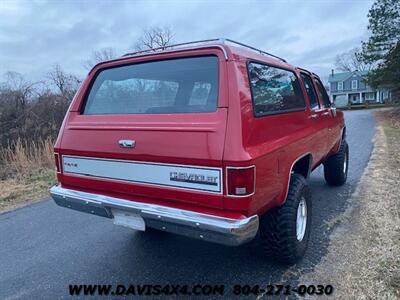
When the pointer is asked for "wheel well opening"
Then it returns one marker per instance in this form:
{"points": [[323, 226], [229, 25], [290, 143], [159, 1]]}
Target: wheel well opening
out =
{"points": [[302, 166]]}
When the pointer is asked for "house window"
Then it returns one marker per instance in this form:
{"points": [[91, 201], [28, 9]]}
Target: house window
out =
{"points": [[369, 96], [385, 95], [354, 84], [340, 86]]}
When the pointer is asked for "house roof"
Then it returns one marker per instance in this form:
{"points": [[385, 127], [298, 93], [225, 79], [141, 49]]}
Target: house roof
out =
{"points": [[345, 75]]}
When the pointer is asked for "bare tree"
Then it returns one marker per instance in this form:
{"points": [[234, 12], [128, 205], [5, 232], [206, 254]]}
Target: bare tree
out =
{"points": [[20, 89], [33, 111], [67, 84], [351, 61], [154, 37], [99, 56]]}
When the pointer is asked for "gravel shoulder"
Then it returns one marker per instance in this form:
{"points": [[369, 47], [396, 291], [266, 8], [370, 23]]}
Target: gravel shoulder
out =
{"points": [[363, 257]]}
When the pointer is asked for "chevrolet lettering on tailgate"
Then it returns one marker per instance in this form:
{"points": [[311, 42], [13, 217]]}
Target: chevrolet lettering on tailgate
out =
{"points": [[195, 178]]}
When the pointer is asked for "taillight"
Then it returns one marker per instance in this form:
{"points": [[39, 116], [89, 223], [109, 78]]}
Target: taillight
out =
{"points": [[57, 162], [241, 181]]}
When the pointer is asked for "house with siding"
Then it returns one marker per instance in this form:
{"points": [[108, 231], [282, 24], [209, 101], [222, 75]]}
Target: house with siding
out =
{"points": [[350, 87]]}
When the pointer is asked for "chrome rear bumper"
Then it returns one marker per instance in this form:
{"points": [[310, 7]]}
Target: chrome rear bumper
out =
{"points": [[207, 227]]}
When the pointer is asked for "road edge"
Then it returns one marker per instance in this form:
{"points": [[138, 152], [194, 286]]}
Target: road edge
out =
{"points": [[361, 260]]}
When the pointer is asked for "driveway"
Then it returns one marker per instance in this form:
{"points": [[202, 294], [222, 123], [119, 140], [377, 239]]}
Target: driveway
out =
{"points": [[44, 248]]}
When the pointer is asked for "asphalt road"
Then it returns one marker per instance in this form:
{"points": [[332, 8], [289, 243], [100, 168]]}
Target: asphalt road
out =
{"points": [[44, 248]]}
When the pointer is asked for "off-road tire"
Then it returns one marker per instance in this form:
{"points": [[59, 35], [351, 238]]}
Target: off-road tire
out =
{"points": [[278, 227], [336, 166]]}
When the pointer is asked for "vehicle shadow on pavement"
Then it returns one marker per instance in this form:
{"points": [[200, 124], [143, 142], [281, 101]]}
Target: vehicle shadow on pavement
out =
{"points": [[177, 259]]}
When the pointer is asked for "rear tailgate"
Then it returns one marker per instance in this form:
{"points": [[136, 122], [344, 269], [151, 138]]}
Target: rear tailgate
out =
{"points": [[160, 156]]}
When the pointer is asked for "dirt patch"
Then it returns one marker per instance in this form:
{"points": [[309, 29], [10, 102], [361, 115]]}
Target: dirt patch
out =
{"points": [[363, 260]]}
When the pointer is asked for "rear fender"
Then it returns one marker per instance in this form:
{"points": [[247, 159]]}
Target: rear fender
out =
{"points": [[339, 142], [285, 191]]}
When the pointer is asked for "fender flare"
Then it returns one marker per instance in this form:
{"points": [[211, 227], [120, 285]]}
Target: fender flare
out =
{"points": [[283, 199], [342, 138]]}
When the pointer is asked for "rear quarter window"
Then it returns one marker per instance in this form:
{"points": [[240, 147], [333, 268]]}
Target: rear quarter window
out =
{"points": [[184, 85], [322, 93], [312, 96], [274, 90]]}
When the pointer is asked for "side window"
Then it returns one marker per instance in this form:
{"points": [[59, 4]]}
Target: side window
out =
{"points": [[323, 94], [274, 90], [314, 104]]}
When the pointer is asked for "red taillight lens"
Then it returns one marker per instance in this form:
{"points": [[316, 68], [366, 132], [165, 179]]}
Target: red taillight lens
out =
{"points": [[241, 181], [57, 162]]}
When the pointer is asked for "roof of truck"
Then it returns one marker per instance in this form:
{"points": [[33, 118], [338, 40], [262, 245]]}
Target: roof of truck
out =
{"points": [[231, 49], [201, 43]]}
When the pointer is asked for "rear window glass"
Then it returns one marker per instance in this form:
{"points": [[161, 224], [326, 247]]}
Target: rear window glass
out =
{"points": [[274, 90], [182, 85]]}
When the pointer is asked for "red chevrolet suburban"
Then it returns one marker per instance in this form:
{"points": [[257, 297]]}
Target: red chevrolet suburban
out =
{"points": [[212, 140]]}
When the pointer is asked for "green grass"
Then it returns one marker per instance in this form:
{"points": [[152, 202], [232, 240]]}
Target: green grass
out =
{"points": [[43, 176]]}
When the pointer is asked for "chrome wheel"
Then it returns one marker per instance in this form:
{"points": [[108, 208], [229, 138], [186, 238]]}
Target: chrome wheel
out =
{"points": [[301, 220]]}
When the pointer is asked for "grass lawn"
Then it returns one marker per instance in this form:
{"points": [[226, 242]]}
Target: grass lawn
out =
{"points": [[363, 259], [17, 192]]}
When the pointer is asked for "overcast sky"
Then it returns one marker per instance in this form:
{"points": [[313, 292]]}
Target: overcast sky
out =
{"points": [[34, 35]]}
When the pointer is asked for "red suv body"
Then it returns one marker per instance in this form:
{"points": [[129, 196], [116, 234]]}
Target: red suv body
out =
{"points": [[201, 141]]}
